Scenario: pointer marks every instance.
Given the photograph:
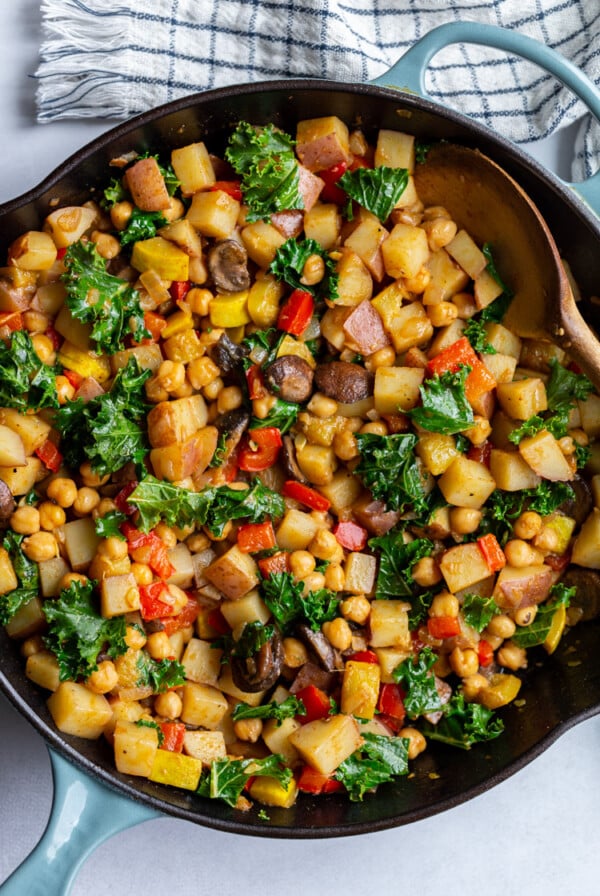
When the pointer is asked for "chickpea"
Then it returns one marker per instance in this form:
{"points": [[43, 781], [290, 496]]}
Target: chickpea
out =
{"points": [[440, 231], [579, 436], [338, 633], [69, 578], [159, 646], [377, 427], [567, 445], [262, 406], [64, 389], [314, 581], [51, 515], [25, 520], [528, 525], [383, 357], [90, 478], [442, 667], [520, 554], [120, 214], [356, 608], [295, 653], [465, 305], [325, 546], [199, 300], [201, 372], [155, 391], [426, 572], [473, 685], [444, 604], [35, 321], [512, 656], [135, 637], [168, 705], [547, 539], [175, 210], [44, 348], [32, 645], [227, 528], [335, 578], [465, 520], [40, 546], [419, 283], [493, 640], [142, 573], [313, 270], [104, 678], [171, 375], [322, 406], [479, 431], [166, 535], [198, 542], [416, 741], [525, 615], [435, 211], [86, 501], [114, 548], [105, 506], [211, 392], [184, 391], [500, 626], [345, 446], [106, 244], [229, 399], [464, 662], [302, 564], [442, 313], [248, 730]]}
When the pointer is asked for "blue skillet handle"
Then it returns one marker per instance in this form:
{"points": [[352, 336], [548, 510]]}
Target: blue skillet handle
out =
{"points": [[84, 814], [409, 72]]}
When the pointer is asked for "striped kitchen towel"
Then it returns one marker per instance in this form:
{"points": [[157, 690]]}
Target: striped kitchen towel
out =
{"points": [[105, 59]]}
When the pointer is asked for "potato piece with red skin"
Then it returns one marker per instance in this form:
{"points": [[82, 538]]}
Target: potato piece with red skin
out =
{"points": [[147, 186], [309, 187], [322, 142], [522, 587], [364, 329], [182, 459]]}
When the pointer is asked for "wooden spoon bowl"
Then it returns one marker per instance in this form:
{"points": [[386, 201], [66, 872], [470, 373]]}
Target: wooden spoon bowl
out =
{"points": [[484, 200]]}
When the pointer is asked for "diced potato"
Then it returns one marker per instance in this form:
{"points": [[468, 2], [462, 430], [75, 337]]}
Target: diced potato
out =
{"points": [[81, 542], [388, 624], [51, 573], [323, 223], [206, 746], [590, 416], [264, 297], [181, 558], [296, 530], [511, 472], [193, 168], [147, 185], [466, 483], [586, 548], [445, 337], [118, 595], [486, 289], [203, 705], [405, 251], [230, 310], [502, 367], [360, 571], [522, 587], [85, 363], [42, 668], [78, 711], [322, 142], [325, 743], [162, 256], [28, 620], [214, 213], [446, 278], [395, 149], [201, 661], [32, 251], [363, 329], [176, 420], [521, 399], [149, 357], [250, 608], [271, 792], [388, 304], [503, 340], [135, 748], [20, 480], [463, 566], [183, 234], [502, 689], [469, 256], [437, 451], [342, 491], [389, 658], [355, 284], [185, 347], [360, 688], [317, 462], [542, 453], [234, 573], [12, 450], [127, 666], [67, 225], [537, 354], [182, 459], [410, 327], [128, 710], [262, 241], [309, 187], [277, 735], [8, 578], [49, 298], [175, 769], [367, 240]]}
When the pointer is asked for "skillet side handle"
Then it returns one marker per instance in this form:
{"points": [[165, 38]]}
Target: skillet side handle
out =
{"points": [[84, 814], [410, 70]]}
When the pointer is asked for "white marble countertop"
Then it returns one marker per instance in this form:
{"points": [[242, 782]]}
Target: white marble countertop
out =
{"points": [[534, 833]]}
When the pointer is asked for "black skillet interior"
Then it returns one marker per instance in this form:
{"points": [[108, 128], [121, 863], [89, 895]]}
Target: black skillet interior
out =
{"points": [[558, 690]]}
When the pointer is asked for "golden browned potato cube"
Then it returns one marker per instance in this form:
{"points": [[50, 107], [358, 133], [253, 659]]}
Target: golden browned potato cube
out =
{"points": [[467, 254], [42, 668], [503, 340], [395, 149], [118, 595], [51, 573], [590, 416], [277, 738], [193, 168], [485, 289], [355, 284], [185, 347], [203, 705], [182, 459], [181, 558], [12, 450], [360, 571], [262, 241], [405, 251], [147, 185], [296, 530], [201, 661], [342, 491], [523, 586], [250, 608], [322, 142], [397, 388], [77, 710], [207, 746], [174, 421], [33, 251], [463, 566], [437, 451], [521, 399], [389, 658], [466, 483], [182, 233], [446, 278], [135, 748], [367, 241], [511, 472], [233, 573], [502, 367], [28, 620], [323, 223], [67, 225], [388, 624], [360, 689], [22, 479], [542, 453], [149, 357], [410, 327], [586, 548], [81, 542], [214, 213], [325, 743], [317, 462]]}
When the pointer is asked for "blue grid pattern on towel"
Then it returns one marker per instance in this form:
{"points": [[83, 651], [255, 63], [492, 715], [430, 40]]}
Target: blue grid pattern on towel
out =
{"points": [[109, 60]]}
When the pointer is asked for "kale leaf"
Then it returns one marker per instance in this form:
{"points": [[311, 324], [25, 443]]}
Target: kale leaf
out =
{"points": [[25, 381], [108, 430], [160, 675], [27, 573], [502, 508], [287, 709], [254, 636], [156, 500], [266, 162], [464, 724], [96, 297], [478, 611], [396, 559], [108, 526], [389, 468], [376, 189], [378, 760], [226, 778], [141, 226], [289, 262], [287, 602], [477, 336], [282, 414], [445, 407], [77, 632], [416, 677]]}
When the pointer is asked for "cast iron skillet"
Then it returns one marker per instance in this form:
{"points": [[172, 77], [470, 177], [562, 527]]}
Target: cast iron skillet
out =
{"points": [[557, 693]]}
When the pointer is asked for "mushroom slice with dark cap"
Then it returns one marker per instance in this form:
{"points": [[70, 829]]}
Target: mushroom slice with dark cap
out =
{"points": [[290, 377], [228, 266], [260, 670]]}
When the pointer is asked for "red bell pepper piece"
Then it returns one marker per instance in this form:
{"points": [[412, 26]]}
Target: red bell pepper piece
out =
{"points": [[391, 701], [279, 562], [151, 604], [73, 377], [217, 621], [54, 336], [350, 535], [268, 442], [492, 552], [120, 499], [173, 733], [305, 495], [255, 382], [481, 453], [152, 550], [364, 656], [187, 616], [485, 653], [49, 455], [443, 626], [460, 354], [60, 253], [179, 289], [296, 312], [558, 562], [316, 702], [331, 192], [155, 324], [252, 537], [12, 320], [233, 188], [312, 781]]}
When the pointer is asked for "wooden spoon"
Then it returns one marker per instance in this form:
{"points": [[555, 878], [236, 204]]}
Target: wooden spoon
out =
{"points": [[484, 200]]}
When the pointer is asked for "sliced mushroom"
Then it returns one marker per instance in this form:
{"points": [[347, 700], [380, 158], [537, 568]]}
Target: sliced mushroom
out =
{"points": [[7, 502], [373, 514], [228, 266], [343, 381], [580, 505], [260, 671], [232, 425], [319, 645], [227, 354], [290, 377], [288, 461], [310, 673]]}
